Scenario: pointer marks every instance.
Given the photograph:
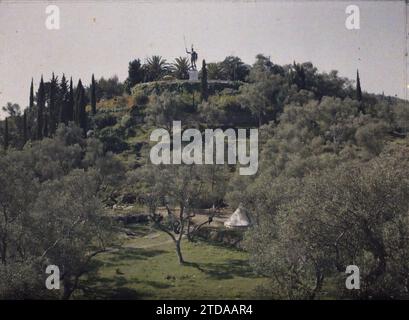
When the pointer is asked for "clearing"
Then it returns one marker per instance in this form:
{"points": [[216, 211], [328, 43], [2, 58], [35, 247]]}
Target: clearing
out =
{"points": [[145, 266]]}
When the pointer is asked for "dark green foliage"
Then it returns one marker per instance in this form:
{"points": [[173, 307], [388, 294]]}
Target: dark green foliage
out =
{"points": [[51, 196], [46, 126], [108, 88], [156, 67], [264, 63], [93, 96], [225, 110], [70, 104], [6, 134], [234, 69], [63, 100], [103, 120], [31, 103], [136, 74], [25, 130], [53, 106], [215, 71], [358, 87], [357, 208], [185, 86], [112, 141], [141, 99], [80, 115], [13, 109], [298, 75], [167, 107], [180, 68], [40, 109], [204, 84]]}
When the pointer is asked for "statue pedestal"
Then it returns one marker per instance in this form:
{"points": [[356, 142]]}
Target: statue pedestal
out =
{"points": [[193, 75]]}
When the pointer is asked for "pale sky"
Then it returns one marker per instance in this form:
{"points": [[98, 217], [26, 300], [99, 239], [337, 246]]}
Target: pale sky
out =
{"points": [[101, 37]]}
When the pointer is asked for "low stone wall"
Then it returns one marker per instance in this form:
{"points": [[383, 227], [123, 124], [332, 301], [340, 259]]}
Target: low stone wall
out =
{"points": [[230, 237], [132, 218]]}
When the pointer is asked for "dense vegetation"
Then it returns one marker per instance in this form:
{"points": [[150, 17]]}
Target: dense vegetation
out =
{"points": [[332, 187]]}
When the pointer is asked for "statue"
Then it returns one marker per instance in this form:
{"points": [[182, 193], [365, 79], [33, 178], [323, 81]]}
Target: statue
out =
{"points": [[193, 57]]}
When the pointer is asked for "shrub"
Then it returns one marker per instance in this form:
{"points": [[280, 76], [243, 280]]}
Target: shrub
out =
{"points": [[103, 120], [112, 141], [371, 136]]}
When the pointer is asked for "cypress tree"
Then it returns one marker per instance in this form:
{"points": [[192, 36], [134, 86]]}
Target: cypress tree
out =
{"points": [[63, 98], [80, 103], [83, 113], [6, 134], [40, 109], [70, 103], [31, 105], [30, 108], [358, 87], [204, 84], [46, 127], [76, 103], [93, 96], [53, 105], [25, 131]]}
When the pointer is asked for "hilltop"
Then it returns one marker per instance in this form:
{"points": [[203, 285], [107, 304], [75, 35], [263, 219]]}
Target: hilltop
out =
{"points": [[333, 169]]}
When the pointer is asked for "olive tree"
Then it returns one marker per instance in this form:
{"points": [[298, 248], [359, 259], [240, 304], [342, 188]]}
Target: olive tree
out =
{"points": [[355, 214], [179, 189]]}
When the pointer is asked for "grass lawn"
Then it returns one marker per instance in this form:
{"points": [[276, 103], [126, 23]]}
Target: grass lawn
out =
{"points": [[146, 267]]}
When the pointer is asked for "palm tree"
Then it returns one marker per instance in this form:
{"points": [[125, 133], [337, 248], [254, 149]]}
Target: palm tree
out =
{"points": [[215, 71], [156, 68], [180, 68]]}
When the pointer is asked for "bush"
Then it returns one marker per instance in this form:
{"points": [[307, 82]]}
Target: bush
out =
{"points": [[371, 137], [112, 141], [103, 120], [140, 98]]}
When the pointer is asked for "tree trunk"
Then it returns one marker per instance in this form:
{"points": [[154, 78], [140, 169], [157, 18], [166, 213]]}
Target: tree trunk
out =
{"points": [[4, 250], [188, 234], [67, 290], [179, 252], [259, 118]]}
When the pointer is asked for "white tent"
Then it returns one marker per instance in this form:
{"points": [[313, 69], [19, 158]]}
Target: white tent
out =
{"points": [[239, 218]]}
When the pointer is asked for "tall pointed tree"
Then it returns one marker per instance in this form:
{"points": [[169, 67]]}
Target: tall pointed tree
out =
{"points": [[31, 105], [30, 110], [70, 103], [358, 87], [204, 84], [52, 126], [80, 104], [93, 96], [63, 100], [40, 109]]}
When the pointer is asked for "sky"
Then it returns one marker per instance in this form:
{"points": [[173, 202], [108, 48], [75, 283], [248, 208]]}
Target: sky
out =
{"points": [[101, 37]]}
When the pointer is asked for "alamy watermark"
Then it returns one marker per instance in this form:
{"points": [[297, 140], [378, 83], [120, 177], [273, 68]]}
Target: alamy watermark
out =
{"points": [[353, 281], [52, 22], [353, 20], [206, 148], [53, 280]]}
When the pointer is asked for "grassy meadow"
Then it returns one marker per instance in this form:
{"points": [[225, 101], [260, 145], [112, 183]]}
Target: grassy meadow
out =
{"points": [[145, 267]]}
